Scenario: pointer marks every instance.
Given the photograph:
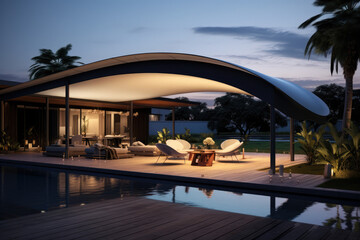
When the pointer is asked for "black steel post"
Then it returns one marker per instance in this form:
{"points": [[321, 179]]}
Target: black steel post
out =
{"points": [[2, 116], [131, 121], [67, 116], [272, 138], [292, 152], [47, 123], [173, 123]]}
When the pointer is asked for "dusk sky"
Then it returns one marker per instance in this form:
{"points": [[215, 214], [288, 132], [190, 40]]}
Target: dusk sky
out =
{"points": [[261, 35]]}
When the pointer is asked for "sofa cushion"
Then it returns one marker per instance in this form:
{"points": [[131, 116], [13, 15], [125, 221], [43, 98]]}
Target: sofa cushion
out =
{"points": [[138, 143]]}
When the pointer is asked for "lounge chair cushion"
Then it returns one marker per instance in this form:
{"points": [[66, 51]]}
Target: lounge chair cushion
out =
{"points": [[148, 150], [228, 142], [138, 143], [186, 144], [175, 144]]}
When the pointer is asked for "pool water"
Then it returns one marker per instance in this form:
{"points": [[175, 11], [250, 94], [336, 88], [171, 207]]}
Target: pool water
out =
{"points": [[26, 191]]}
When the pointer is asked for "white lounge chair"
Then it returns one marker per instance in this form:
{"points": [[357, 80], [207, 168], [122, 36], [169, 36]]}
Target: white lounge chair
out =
{"points": [[180, 145], [229, 147], [170, 153], [186, 144]]}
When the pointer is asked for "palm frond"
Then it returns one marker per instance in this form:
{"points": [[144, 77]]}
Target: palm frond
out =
{"points": [[310, 20], [49, 62]]}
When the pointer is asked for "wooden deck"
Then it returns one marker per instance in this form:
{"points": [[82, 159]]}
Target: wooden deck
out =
{"points": [[139, 218], [244, 170]]}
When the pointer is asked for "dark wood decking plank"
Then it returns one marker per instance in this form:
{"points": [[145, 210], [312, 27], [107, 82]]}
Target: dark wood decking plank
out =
{"points": [[199, 223], [218, 232], [62, 213], [337, 234], [299, 230], [181, 220], [158, 217], [317, 232], [261, 224], [354, 236], [277, 231], [140, 218], [102, 228], [211, 228], [112, 219], [73, 221], [114, 231]]}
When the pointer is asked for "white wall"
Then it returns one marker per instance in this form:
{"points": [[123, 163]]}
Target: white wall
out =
{"points": [[194, 126]]}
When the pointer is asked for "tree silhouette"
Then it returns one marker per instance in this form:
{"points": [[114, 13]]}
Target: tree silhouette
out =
{"points": [[49, 62], [338, 33]]}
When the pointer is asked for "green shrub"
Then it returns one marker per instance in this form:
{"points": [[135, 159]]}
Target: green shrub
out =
{"points": [[163, 135], [310, 141], [335, 152], [6, 143], [352, 146]]}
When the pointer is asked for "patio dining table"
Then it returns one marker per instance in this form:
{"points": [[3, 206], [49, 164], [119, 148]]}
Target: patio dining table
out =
{"points": [[88, 139]]}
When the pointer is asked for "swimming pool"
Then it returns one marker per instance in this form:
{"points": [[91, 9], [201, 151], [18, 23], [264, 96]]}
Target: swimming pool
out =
{"points": [[26, 191]]}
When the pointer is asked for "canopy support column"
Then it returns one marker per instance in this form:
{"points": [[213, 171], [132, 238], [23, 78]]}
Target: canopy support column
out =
{"points": [[47, 121], [272, 138], [292, 152], [131, 122], [81, 133], [67, 116], [173, 123], [2, 116]]}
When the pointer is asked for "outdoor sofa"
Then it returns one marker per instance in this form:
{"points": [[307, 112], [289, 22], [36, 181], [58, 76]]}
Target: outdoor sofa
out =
{"points": [[139, 148], [58, 150], [100, 151]]}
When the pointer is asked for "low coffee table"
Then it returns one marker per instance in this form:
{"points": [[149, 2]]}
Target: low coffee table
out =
{"points": [[202, 158]]}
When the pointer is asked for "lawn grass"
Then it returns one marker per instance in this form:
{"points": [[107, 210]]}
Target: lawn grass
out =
{"points": [[264, 147], [342, 183], [305, 168], [302, 168]]}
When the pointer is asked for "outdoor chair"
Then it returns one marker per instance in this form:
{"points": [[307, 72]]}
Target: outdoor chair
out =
{"points": [[76, 140], [170, 153], [229, 148], [180, 145], [227, 143], [186, 144]]}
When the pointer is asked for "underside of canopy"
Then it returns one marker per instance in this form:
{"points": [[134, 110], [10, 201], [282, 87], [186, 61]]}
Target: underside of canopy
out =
{"points": [[149, 75]]}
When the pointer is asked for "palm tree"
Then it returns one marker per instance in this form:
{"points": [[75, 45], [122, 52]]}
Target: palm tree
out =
{"points": [[49, 62], [338, 33]]}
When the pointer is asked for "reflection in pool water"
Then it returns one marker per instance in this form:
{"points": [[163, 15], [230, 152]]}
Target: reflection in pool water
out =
{"points": [[25, 191]]}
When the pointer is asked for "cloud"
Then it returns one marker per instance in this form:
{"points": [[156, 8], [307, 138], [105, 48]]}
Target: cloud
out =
{"points": [[311, 84], [243, 57], [13, 77], [286, 44], [137, 30]]}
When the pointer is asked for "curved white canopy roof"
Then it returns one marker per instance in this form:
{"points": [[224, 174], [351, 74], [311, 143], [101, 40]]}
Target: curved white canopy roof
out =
{"points": [[149, 75]]}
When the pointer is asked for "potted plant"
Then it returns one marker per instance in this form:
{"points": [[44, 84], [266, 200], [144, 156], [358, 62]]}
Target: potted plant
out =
{"points": [[84, 125], [208, 142]]}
